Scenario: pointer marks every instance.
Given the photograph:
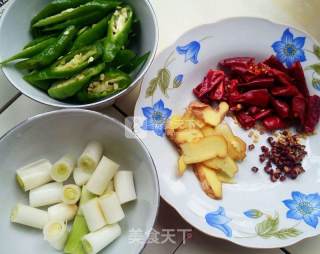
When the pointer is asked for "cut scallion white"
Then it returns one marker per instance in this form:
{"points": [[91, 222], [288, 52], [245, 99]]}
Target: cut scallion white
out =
{"points": [[81, 176], [71, 194], [111, 208], [29, 216], [93, 215], [78, 230], [102, 176], [34, 174], [124, 186], [48, 194], [110, 187], [63, 212], [85, 197], [56, 233], [91, 156], [63, 168], [96, 241]]}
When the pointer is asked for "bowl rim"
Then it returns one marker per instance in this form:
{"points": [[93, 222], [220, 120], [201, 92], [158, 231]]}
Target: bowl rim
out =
{"points": [[31, 119], [107, 101]]}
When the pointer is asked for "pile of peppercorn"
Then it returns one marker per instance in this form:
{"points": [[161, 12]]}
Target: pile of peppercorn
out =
{"points": [[266, 92], [284, 157]]}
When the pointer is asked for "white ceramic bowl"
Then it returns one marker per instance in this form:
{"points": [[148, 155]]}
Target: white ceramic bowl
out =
{"points": [[53, 134], [14, 34]]}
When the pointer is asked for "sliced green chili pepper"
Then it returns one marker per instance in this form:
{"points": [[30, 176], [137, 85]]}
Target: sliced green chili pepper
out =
{"points": [[135, 63], [41, 84], [84, 20], [31, 51], [118, 32], [106, 84], [57, 6], [51, 53], [123, 58], [94, 5], [40, 39], [92, 34], [67, 88], [69, 65]]}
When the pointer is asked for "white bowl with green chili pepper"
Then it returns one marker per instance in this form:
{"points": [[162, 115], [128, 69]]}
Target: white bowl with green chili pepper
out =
{"points": [[77, 53]]}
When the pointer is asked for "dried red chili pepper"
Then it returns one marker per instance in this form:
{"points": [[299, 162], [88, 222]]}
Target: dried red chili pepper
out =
{"points": [[262, 114], [257, 84], [313, 113], [253, 110], [281, 107], [212, 79], [296, 72], [272, 123], [236, 61], [245, 120], [274, 63], [298, 107], [285, 91], [258, 97], [218, 93]]}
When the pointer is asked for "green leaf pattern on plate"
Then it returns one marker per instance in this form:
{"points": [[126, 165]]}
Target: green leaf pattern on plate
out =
{"points": [[267, 227], [164, 80]]}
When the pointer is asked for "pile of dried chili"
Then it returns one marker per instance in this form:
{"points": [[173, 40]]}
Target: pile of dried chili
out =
{"points": [[267, 92]]}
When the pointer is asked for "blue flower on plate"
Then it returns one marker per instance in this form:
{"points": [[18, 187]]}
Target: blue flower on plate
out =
{"points": [[156, 118], [178, 81], [290, 50], [190, 51], [304, 207], [219, 220], [253, 213]]}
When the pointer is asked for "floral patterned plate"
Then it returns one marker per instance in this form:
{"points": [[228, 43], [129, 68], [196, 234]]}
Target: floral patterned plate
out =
{"points": [[253, 212]]}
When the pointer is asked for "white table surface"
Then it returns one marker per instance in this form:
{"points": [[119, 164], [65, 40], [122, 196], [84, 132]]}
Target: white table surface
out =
{"points": [[175, 17]]}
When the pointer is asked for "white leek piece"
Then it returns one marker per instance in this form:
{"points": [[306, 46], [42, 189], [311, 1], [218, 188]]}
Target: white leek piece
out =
{"points": [[29, 216], [85, 197], [111, 208], [48, 194], [93, 215], [81, 176], [124, 186], [34, 175], [110, 187], [96, 241], [56, 233], [102, 176], [71, 194], [63, 168], [91, 156], [63, 212]]}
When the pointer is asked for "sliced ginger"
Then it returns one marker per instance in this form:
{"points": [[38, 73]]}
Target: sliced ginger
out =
{"points": [[206, 144]]}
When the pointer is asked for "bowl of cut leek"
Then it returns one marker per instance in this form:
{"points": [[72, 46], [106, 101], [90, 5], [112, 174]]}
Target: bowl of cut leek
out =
{"points": [[85, 185], [77, 53]]}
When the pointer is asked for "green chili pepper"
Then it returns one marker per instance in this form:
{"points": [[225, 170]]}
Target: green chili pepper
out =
{"points": [[57, 6], [31, 51], [41, 84], [118, 32], [69, 65], [40, 39], [51, 53], [84, 20], [94, 5], [135, 63], [123, 58], [92, 34], [67, 88], [108, 83]]}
